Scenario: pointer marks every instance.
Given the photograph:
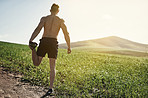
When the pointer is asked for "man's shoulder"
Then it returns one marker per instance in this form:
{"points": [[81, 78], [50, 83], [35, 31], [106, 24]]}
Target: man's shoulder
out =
{"points": [[59, 18], [43, 18], [62, 20]]}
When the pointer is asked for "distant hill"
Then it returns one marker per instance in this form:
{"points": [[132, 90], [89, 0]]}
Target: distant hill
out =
{"points": [[112, 42]]}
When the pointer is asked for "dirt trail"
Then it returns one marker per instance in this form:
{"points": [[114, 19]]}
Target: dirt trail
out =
{"points": [[11, 87]]}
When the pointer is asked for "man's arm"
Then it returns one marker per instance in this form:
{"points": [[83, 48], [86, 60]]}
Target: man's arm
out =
{"points": [[37, 30], [66, 35]]}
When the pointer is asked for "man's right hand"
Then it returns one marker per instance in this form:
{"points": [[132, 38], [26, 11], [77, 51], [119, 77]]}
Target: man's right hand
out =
{"points": [[68, 50]]}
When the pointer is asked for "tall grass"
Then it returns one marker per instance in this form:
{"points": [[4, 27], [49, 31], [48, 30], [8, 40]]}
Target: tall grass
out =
{"points": [[82, 73]]}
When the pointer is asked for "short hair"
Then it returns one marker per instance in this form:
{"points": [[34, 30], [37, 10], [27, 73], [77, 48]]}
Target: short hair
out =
{"points": [[54, 7]]}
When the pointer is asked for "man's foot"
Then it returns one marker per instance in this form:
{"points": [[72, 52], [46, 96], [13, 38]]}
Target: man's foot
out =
{"points": [[49, 92], [32, 45]]}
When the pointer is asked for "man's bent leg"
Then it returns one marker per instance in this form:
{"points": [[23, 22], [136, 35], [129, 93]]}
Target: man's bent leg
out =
{"points": [[52, 71], [35, 58]]}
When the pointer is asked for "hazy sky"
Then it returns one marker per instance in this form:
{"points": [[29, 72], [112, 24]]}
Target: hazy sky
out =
{"points": [[85, 19]]}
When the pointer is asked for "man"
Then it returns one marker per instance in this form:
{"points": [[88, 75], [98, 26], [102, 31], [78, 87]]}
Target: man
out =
{"points": [[48, 43]]}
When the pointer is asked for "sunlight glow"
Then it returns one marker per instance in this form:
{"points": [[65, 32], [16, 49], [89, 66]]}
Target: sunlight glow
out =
{"points": [[85, 19]]}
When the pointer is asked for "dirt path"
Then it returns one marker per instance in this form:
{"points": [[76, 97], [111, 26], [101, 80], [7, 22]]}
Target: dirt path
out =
{"points": [[11, 87]]}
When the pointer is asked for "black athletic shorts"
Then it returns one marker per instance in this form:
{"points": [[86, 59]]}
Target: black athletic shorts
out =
{"points": [[49, 46]]}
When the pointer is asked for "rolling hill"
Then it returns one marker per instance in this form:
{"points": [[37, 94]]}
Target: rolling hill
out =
{"points": [[111, 42]]}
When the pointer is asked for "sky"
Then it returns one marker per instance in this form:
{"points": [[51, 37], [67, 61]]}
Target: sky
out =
{"points": [[85, 19]]}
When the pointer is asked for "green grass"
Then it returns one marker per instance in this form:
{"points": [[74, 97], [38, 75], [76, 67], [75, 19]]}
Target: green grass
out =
{"points": [[82, 73]]}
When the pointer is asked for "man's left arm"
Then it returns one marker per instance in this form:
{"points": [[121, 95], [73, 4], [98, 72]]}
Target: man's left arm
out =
{"points": [[37, 30]]}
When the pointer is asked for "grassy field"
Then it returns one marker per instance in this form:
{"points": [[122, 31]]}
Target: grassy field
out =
{"points": [[82, 73]]}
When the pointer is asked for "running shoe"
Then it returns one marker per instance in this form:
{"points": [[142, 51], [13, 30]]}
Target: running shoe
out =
{"points": [[49, 92]]}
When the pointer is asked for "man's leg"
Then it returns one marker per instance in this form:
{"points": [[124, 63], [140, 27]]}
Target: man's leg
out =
{"points": [[52, 71], [35, 58]]}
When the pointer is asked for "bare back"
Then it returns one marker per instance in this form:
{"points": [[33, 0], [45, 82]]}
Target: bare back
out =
{"points": [[52, 25]]}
